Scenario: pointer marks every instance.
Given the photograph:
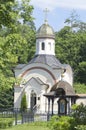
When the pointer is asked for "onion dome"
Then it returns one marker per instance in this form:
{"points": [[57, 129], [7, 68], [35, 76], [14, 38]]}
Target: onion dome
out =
{"points": [[45, 31]]}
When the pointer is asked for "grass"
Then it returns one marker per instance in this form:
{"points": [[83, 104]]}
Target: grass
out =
{"points": [[31, 126]]}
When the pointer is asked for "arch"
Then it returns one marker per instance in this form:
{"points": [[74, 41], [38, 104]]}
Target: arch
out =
{"points": [[43, 46], [53, 77]]}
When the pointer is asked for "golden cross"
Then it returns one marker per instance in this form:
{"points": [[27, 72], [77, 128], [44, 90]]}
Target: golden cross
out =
{"points": [[46, 12]]}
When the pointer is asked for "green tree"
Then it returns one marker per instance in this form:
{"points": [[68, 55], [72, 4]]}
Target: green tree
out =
{"points": [[71, 49], [23, 103], [81, 127], [73, 21], [82, 72], [8, 14], [80, 88], [16, 39], [6, 98], [67, 47]]}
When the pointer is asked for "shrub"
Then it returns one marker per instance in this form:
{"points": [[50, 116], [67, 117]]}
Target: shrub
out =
{"points": [[53, 121], [61, 123], [5, 122], [79, 113], [68, 122], [23, 103]]}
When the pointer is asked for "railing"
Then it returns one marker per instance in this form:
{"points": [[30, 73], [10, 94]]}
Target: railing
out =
{"points": [[36, 108], [24, 116]]}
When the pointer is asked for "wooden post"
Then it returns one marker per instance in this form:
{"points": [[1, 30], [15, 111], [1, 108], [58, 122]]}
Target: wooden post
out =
{"points": [[48, 105], [48, 114], [52, 104]]}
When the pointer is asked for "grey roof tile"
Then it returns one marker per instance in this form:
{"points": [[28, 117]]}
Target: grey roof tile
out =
{"points": [[50, 60]]}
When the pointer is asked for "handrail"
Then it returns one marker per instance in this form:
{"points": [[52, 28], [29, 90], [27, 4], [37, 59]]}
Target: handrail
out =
{"points": [[36, 107]]}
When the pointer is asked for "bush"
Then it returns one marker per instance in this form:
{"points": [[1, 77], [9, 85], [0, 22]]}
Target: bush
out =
{"points": [[62, 123], [53, 121], [79, 113], [5, 122]]}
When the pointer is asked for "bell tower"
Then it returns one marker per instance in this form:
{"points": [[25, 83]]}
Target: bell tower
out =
{"points": [[45, 39]]}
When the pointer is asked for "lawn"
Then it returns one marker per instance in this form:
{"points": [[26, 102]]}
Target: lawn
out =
{"points": [[27, 127]]}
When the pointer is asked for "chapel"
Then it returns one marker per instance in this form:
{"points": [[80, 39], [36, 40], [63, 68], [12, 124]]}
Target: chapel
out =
{"points": [[46, 82]]}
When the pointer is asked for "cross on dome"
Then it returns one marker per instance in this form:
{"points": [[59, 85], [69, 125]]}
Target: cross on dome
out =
{"points": [[46, 13]]}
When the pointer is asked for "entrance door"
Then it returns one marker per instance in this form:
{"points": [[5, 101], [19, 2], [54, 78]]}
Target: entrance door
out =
{"points": [[33, 99], [62, 106]]}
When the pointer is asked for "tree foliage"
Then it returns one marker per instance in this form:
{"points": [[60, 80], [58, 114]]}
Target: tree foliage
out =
{"points": [[71, 47], [17, 37], [81, 127], [15, 40], [82, 72], [79, 113], [8, 14], [6, 98], [80, 88]]}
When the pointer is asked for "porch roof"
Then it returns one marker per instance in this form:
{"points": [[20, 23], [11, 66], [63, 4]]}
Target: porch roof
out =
{"points": [[69, 90], [61, 85]]}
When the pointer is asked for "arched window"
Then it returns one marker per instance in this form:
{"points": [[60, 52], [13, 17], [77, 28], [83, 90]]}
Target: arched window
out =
{"points": [[43, 46], [49, 45], [33, 97], [62, 106]]}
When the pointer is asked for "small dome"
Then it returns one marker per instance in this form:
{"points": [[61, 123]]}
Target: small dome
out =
{"points": [[45, 31]]}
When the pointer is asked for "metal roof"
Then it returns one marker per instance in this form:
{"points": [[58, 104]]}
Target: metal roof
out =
{"points": [[45, 31], [50, 60]]}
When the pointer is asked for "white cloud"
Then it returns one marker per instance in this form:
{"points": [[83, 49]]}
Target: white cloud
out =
{"points": [[53, 4]]}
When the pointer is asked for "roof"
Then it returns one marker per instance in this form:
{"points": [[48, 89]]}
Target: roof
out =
{"points": [[50, 60], [50, 94], [45, 31], [65, 86], [81, 96], [36, 79], [20, 66]]}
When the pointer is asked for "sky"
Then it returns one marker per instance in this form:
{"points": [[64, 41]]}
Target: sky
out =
{"points": [[59, 11]]}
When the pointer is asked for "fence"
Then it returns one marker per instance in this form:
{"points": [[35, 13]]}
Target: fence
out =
{"points": [[21, 117]]}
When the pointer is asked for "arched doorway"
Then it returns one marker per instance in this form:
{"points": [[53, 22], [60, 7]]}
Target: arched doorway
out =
{"points": [[62, 106], [62, 102], [33, 99]]}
